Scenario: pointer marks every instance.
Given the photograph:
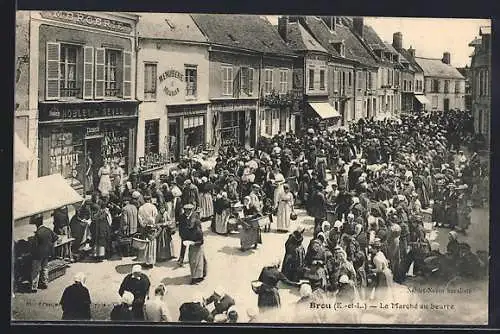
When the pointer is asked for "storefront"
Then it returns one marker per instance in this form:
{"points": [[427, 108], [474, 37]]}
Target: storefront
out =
{"points": [[234, 123], [76, 139], [322, 114], [186, 129]]}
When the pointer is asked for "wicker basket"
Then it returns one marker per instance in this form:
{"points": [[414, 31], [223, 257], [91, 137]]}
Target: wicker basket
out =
{"points": [[139, 244], [56, 269]]}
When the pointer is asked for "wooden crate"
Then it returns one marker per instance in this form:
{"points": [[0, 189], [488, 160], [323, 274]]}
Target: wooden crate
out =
{"points": [[56, 268]]}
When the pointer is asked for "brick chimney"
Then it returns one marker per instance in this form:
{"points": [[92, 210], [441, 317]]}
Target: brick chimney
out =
{"points": [[411, 51], [446, 58], [283, 27], [397, 40], [357, 25]]}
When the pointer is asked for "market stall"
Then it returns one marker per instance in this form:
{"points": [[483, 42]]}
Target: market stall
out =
{"points": [[39, 197]]}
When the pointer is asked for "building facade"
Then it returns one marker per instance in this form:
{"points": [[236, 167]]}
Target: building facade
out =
{"points": [[250, 75], [87, 112], [173, 87], [444, 86], [481, 83]]}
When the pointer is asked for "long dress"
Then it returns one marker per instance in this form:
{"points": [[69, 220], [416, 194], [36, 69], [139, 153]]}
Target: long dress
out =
{"points": [[222, 213], [165, 246], [294, 260], [250, 234], [148, 217], [383, 288], [285, 206], [206, 201], [196, 255], [105, 185]]}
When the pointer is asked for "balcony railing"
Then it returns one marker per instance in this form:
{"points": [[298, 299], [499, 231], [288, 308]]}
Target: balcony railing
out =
{"points": [[70, 92]]}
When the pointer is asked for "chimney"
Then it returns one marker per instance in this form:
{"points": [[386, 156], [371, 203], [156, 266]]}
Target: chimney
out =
{"points": [[330, 21], [446, 58], [411, 51], [357, 24], [283, 27], [397, 40]]}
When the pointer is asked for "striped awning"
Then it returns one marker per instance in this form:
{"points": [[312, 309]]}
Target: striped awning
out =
{"points": [[325, 110], [422, 99]]}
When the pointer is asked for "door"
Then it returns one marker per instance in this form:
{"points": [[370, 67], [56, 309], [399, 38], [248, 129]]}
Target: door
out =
{"points": [[446, 104], [173, 139], [93, 151], [242, 124]]}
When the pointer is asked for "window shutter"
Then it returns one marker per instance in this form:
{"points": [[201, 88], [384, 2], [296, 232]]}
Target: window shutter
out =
{"points": [[88, 72], [127, 75], [236, 84], [52, 88], [99, 73]]}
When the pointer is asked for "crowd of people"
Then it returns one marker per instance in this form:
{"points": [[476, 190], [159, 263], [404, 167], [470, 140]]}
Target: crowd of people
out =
{"points": [[373, 191]]}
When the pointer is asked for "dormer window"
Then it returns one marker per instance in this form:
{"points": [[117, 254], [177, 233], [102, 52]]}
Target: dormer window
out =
{"points": [[340, 48]]}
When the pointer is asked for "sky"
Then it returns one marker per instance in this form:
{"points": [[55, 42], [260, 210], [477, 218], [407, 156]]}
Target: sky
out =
{"points": [[430, 37]]}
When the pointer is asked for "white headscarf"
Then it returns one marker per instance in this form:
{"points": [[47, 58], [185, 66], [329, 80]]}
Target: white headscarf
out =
{"points": [[127, 298]]}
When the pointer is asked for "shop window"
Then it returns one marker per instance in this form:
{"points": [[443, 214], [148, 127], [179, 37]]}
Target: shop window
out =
{"points": [[194, 132], [268, 81], [112, 73], [150, 71], [283, 81], [322, 79], [311, 79], [191, 77], [66, 155], [69, 84], [230, 128], [152, 137], [435, 86], [227, 80], [247, 80]]}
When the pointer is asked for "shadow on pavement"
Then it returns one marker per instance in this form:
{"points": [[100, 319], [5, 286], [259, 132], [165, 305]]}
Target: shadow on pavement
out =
{"points": [[167, 264], [235, 251], [124, 268], [179, 280]]}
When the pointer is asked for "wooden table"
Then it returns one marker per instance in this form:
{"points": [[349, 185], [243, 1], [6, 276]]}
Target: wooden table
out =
{"points": [[62, 247]]}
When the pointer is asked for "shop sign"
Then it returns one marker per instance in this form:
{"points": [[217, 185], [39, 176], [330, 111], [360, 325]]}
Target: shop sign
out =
{"points": [[50, 112], [234, 106], [172, 79], [87, 20], [92, 131]]}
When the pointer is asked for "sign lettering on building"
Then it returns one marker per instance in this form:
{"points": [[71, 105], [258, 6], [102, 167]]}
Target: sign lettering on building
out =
{"points": [[87, 20], [234, 106], [51, 112], [93, 131], [172, 79]]}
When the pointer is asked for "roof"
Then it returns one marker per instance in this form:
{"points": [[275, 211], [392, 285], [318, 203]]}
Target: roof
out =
{"points": [[475, 42], [169, 26], [390, 48], [250, 32], [406, 55], [436, 68], [300, 40], [354, 49], [485, 30]]}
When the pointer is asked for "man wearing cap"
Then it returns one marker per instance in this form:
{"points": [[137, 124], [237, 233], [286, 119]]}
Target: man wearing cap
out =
{"points": [[318, 208], [195, 311], [222, 301], [188, 214], [138, 284], [43, 247], [75, 300]]}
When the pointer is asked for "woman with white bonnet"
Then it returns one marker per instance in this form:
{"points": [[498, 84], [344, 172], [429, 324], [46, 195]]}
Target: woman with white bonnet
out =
{"points": [[222, 208], [123, 311], [285, 207], [206, 200], [75, 301]]}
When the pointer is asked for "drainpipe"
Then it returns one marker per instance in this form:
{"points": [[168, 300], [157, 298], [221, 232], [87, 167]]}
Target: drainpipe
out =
{"points": [[136, 51]]}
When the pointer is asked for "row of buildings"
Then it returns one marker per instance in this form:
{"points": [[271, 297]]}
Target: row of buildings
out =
{"points": [[143, 89]]}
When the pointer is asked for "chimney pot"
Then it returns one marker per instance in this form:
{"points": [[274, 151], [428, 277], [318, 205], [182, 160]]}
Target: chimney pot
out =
{"points": [[397, 40], [411, 51], [283, 27], [358, 23], [446, 58]]}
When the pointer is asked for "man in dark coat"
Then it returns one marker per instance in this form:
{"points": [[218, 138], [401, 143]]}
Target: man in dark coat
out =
{"points": [[355, 172], [190, 194], [75, 300], [61, 221], [222, 301], [43, 247], [138, 284], [318, 208]]}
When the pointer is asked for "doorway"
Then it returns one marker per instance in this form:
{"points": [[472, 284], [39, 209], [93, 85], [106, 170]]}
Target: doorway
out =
{"points": [[93, 151], [173, 139], [446, 104]]}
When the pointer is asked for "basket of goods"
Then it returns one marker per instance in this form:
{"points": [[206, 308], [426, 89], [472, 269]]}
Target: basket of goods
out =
{"points": [[256, 285], [139, 244], [56, 269]]}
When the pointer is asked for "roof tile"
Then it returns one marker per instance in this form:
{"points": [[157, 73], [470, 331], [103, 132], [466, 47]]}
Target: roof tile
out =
{"points": [[436, 68]]}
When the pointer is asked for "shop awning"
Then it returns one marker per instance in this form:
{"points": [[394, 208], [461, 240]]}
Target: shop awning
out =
{"points": [[43, 194], [324, 110], [21, 152], [422, 99]]}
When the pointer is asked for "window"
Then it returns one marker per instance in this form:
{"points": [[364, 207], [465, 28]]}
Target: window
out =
{"points": [[268, 81], [322, 79], [68, 71], [191, 77], [247, 80], [152, 130], [446, 86], [457, 87], [311, 79], [404, 85], [350, 79], [283, 81], [227, 80], [411, 85], [150, 81], [434, 102], [435, 86], [111, 81]]}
